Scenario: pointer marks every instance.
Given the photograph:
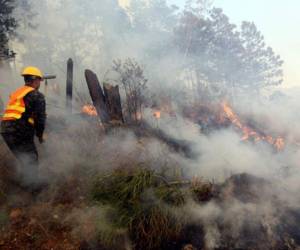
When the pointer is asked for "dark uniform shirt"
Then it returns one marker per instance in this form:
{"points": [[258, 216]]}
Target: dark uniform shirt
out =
{"points": [[35, 107]]}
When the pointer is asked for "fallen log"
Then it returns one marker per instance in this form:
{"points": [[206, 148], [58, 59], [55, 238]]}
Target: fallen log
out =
{"points": [[180, 146]]}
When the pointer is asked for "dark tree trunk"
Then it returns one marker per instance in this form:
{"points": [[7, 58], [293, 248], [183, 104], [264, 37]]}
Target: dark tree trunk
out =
{"points": [[106, 102], [69, 89], [113, 102], [97, 96]]}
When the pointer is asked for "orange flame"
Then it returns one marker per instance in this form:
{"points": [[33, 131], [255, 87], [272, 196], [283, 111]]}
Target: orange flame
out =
{"points": [[249, 133], [157, 114], [279, 143], [89, 109]]}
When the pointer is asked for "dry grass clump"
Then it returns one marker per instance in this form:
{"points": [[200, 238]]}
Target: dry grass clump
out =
{"points": [[142, 203], [3, 217], [202, 190]]}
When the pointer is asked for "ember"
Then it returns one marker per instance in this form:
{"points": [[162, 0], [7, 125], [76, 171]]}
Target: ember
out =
{"points": [[249, 133], [89, 109], [157, 114]]}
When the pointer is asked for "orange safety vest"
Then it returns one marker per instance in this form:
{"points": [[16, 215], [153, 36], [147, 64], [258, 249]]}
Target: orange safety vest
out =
{"points": [[16, 105]]}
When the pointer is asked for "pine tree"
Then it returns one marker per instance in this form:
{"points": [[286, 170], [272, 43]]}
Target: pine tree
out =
{"points": [[262, 66], [7, 26], [221, 57]]}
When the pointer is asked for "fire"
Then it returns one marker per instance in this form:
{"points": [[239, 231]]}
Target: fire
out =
{"points": [[89, 109], [249, 133], [157, 114], [279, 143], [138, 116]]}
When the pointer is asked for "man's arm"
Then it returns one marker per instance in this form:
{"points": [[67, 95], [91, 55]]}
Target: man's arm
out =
{"points": [[36, 108], [39, 112]]}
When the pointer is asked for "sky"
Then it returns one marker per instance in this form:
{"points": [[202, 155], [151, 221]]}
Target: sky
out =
{"points": [[279, 22]]}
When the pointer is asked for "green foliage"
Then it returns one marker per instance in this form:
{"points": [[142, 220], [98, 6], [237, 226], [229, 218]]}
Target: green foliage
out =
{"points": [[133, 81], [262, 65], [200, 44], [145, 205], [155, 17], [3, 218], [126, 187], [7, 26], [141, 203], [221, 54], [3, 195], [171, 195]]}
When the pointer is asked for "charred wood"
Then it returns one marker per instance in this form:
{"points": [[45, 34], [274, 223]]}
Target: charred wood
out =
{"points": [[182, 147], [97, 96], [107, 101], [113, 103], [69, 88]]}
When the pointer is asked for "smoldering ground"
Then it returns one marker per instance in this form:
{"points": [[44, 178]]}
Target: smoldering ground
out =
{"points": [[76, 145], [222, 157], [246, 209]]}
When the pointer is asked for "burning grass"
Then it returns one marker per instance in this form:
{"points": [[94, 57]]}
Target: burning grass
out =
{"points": [[222, 115], [249, 133], [134, 206]]}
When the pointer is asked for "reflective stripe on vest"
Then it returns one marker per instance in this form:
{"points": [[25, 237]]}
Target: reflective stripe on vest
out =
{"points": [[16, 105]]}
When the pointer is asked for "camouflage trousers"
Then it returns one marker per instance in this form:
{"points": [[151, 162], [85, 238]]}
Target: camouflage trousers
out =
{"points": [[26, 153]]}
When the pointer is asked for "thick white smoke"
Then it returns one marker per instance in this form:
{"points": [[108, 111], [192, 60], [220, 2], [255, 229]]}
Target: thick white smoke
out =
{"points": [[95, 33]]}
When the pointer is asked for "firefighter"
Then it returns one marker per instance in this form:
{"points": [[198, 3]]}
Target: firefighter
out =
{"points": [[24, 118]]}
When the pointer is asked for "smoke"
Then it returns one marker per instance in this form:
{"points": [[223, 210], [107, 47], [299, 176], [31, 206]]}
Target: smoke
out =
{"points": [[222, 154], [95, 33], [87, 223]]}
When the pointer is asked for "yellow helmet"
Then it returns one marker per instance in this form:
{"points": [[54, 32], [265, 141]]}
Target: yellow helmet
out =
{"points": [[32, 71]]}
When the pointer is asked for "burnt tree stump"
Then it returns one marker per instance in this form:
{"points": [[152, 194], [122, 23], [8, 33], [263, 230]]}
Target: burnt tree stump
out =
{"points": [[113, 103], [107, 101], [69, 87], [97, 96]]}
